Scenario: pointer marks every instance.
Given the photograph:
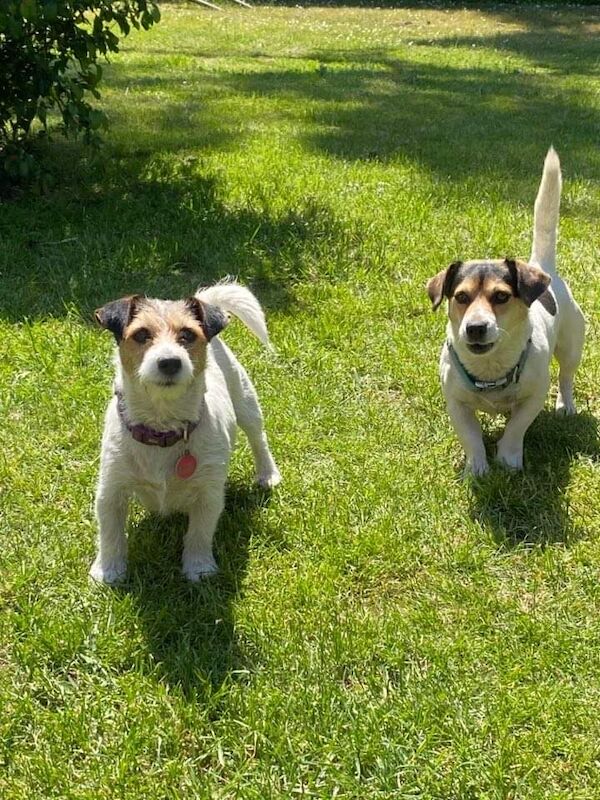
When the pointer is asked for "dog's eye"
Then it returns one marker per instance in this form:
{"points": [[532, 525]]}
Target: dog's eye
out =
{"points": [[142, 335], [462, 298], [500, 297], [187, 336]]}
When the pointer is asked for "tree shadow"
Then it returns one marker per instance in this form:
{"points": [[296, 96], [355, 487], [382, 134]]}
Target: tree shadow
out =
{"points": [[532, 507], [154, 219], [534, 17], [157, 226], [173, 112], [564, 52], [190, 629], [372, 106]]}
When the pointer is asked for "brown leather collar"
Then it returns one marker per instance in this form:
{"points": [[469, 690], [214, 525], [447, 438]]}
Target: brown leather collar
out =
{"points": [[146, 435]]}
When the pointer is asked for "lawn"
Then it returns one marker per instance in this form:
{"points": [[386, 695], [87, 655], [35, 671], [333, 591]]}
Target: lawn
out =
{"points": [[379, 628]]}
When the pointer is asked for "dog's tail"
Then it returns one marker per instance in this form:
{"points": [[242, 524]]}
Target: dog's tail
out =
{"points": [[239, 301], [545, 218]]}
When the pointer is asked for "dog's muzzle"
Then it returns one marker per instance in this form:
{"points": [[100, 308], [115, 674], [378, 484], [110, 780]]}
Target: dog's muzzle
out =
{"points": [[169, 366], [476, 334]]}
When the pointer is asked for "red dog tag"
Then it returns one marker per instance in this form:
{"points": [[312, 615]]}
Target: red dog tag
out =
{"points": [[186, 466]]}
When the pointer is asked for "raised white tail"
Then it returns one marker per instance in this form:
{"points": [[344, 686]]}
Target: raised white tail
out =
{"points": [[545, 218], [238, 300]]}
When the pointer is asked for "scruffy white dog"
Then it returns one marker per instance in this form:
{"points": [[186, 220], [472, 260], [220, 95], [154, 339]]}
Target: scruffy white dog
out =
{"points": [[506, 321], [170, 426]]}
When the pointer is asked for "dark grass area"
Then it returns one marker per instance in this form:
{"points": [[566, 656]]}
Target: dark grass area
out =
{"points": [[194, 239]]}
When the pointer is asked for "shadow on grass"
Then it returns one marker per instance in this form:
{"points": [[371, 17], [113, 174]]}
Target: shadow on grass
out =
{"points": [[563, 52], [146, 216], [374, 106], [531, 506], [161, 229], [190, 628]]}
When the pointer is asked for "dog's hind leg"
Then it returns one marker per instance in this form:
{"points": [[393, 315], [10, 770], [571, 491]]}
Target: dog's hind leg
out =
{"points": [[569, 347], [248, 414], [250, 419]]}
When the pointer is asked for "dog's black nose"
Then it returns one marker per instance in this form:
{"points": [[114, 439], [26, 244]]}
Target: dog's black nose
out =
{"points": [[476, 332], [169, 366]]}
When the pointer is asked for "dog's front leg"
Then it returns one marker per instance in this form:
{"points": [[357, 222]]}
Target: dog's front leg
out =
{"points": [[110, 565], [468, 430], [198, 559], [510, 446]]}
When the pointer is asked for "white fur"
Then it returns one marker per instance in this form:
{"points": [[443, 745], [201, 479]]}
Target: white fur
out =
{"points": [[236, 299], [222, 396], [560, 336]]}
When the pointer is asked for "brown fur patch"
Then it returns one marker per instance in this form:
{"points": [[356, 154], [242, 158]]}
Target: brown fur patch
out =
{"points": [[440, 285], [164, 320], [480, 281]]}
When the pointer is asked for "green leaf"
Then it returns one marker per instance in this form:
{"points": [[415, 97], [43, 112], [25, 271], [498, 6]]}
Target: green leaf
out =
{"points": [[48, 54]]}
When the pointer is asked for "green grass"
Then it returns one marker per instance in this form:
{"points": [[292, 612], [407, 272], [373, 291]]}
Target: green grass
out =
{"points": [[379, 628]]}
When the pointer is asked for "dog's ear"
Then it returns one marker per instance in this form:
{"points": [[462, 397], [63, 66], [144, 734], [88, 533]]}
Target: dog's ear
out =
{"points": [[211, 318], [116, 316], [529, 282], [440, 285]]}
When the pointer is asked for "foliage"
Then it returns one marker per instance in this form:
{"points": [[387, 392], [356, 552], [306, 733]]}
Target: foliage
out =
{"points": [[49, 51]]}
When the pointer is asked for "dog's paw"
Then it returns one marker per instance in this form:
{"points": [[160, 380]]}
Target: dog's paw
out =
{"points": [[200, 567], [476, 467], [510, 458], [269, 479], [565, 408], [109, 572]]}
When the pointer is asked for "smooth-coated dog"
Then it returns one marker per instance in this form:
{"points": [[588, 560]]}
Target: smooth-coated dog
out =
{"points": [[170, 427], [506, 321]]}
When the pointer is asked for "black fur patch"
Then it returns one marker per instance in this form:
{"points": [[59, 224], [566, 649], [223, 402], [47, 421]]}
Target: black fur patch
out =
{"points": [[117, 315], [531, 281], [549, 303], [211, 318], [485, 269]]}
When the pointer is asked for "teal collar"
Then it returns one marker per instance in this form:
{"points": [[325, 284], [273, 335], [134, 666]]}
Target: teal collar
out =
{"points": [[512, 376]]}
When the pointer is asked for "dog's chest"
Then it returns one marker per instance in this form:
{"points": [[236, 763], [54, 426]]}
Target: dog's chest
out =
{"points": [[154, 480], [495, 402]]}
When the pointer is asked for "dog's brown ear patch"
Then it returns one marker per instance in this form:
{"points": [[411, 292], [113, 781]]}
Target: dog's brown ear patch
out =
{"points": [[117, 315], [440, 285], [528, 281], [211, 318]]}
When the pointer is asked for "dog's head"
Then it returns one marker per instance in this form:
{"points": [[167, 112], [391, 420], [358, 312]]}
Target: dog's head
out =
{"points": [[162, 343], [487, 299]]}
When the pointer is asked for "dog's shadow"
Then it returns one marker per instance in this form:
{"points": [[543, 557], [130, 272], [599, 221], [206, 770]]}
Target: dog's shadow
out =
{"points": [[190, 628], [533, 506]]}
